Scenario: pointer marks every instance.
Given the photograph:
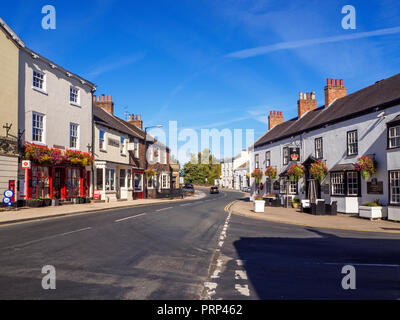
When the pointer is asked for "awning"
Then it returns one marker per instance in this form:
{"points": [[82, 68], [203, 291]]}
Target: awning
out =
{"points": [[343, 167]]}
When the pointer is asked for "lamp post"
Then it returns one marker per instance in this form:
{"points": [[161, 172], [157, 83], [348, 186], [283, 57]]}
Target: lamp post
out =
{"points": [[145, 148]]}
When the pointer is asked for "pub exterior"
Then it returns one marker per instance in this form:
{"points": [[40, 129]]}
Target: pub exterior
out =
{"points": [[353, 139]]}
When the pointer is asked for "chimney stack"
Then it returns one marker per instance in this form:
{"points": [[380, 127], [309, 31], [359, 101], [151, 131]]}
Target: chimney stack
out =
{"points": [[334, 90], [106, 103], [136, 120], [275, 118], [307, 102]]}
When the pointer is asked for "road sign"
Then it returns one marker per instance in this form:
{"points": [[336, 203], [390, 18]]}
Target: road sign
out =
{"points": [[9, 194], [7, 201], [26, 164]]}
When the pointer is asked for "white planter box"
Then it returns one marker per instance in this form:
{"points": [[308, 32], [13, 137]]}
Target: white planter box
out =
{"points": [[394, 213], [259, 205], [371, 212]]}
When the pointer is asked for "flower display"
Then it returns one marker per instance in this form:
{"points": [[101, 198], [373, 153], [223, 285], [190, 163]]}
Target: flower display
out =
{"points": [[271, 173], [150, 173], [295, 172], [319, 170], [257, 175], [52, 156], [366, 165], [79, 158]]}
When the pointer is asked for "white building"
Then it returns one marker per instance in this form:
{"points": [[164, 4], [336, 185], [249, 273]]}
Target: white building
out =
{"points": [[242, 176], [55, 112], [366, 122], [226, 180]]}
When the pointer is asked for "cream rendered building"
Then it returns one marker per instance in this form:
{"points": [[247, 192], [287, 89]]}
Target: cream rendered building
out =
{"points": [[9, 56]]}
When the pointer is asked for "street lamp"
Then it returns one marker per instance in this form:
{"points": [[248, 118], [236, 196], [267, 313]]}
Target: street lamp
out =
{"points": [[145, 148]]}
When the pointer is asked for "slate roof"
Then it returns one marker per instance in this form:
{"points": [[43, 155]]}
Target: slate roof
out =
{"points": [[103, 117], [382, 94]]}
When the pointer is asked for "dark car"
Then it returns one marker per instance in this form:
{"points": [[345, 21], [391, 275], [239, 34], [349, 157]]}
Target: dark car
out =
{"points": [[188, 189], [214, 190]]}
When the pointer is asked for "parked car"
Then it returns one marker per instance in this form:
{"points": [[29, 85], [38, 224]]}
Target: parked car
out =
{"points": [[214, 190], [246, 189]]}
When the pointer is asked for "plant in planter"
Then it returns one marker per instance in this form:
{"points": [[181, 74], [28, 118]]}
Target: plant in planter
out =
{"points": [[296, 203], [55, 202], [295, 172], [372, 210], [367, 166], [259, 204], [319, 170], [271, 173], [34, 203], [46, 202]]}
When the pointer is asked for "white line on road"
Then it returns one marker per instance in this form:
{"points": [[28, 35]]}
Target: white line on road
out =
{"points": [[163, 209], [243, 290], [49, 237], [364, 264], [187, 204], [142, 214], [240, 275]]}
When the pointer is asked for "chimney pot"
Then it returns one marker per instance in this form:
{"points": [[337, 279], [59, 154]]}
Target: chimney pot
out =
{"points": [[341, 82], [109, 98]]}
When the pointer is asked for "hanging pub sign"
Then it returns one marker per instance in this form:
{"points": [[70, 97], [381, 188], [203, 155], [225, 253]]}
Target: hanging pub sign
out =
{"points": [[294, 154]]}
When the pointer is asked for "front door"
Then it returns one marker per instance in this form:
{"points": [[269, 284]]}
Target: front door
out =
{"points": [[138, 186], [58, 182]]}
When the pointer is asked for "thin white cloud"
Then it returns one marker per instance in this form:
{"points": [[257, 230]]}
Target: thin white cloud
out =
{"points": [[116, 65], [253, 52]]}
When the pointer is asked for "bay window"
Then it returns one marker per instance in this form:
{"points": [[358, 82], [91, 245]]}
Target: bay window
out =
{"points": [[345, 184], [394, 186]]}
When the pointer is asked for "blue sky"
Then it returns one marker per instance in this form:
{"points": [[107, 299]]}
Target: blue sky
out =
{"points": [[184, 60]]}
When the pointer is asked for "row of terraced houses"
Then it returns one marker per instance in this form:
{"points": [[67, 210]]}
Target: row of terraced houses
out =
{"points": [[346, 129], [75, 145]]}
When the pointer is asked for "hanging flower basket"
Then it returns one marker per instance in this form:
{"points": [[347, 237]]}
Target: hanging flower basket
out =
{"points": [[78, 158], [295, 172], [271, 173], [257, 175], [319, 170], [150, 173], [367, 166]]}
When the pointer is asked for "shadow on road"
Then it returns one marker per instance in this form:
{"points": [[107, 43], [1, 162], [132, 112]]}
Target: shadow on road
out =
{"points": [[310, 267]]}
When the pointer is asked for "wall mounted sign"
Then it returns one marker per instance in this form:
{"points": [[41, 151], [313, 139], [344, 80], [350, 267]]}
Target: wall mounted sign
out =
{"points": [[277, 185], [26, 164], [294, 154], [375, 187], [113, 142]]}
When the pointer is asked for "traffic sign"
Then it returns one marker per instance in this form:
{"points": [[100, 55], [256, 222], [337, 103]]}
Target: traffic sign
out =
{"points": [[7, 200], [9, 194], [26, 164]]}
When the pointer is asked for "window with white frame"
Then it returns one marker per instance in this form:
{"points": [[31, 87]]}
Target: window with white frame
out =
{"points": [[136, 148], [319, 152], [73, 136], [337, 184], [394, 186], [268, 158], [257, 161], [292, 187], [165, 181], [73, 94], [101, 139], [394, 137], [37, 127], [129, 178], [352, 183], [122, 146], [38, 80], [352, 143], [285, 155], [110, 180], [158, 155]]}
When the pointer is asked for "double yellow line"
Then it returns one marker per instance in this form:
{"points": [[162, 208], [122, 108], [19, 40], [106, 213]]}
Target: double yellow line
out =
{"points": [[227, 208]]}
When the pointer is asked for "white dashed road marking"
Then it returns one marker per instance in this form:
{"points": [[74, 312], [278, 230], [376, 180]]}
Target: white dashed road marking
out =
{"points": [[243, 290], [163, 209], [240, 275], [128, 218]]}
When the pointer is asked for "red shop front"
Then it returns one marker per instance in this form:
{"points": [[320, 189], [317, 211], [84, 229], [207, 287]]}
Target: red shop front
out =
{"points": [[138, 184], [57, 182]]}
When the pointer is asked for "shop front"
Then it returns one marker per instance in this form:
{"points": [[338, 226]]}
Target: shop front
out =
{"points": [[57, 182], [138, 178]]}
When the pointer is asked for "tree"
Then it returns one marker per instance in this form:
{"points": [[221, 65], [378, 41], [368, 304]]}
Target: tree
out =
{"points": [[203, 168]]}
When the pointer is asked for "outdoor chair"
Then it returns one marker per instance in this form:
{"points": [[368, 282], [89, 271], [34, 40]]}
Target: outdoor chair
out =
{"points": [[331, 209], [318, 208]]}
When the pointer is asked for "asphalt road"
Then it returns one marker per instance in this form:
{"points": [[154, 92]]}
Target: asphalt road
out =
{"points": [[170, 251]]}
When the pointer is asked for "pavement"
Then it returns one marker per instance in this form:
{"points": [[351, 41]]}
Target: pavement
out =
{"points": [[30, 214], [244, 208]]}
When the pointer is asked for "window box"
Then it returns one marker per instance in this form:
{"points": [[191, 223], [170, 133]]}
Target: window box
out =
{"points": [[36, 203], [371, 213], [259, 206]]}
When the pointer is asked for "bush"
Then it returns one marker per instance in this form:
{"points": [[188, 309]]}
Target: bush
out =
{"points": [[371, 204]]}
